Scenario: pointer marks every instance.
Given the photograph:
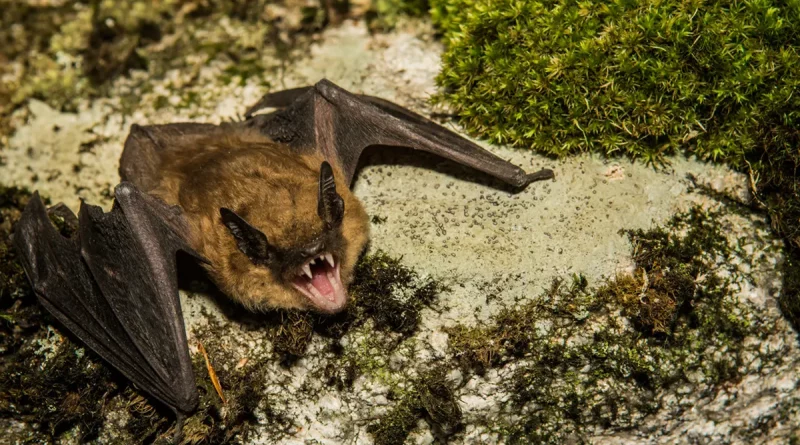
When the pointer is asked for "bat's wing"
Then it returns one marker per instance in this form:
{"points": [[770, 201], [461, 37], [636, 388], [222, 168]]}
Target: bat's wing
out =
{"points": [[341, 125], [114, 285], [146, 145]]}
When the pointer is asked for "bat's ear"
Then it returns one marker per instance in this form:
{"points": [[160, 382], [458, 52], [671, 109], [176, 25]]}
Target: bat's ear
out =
{"points": [[330, 206], [251, 241]]}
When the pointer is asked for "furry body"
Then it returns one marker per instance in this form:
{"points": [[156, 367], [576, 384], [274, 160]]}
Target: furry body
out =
{"points": [[269, 186]]}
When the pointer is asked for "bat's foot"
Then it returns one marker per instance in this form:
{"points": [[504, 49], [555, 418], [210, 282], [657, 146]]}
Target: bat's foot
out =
{"points": [[178, 436]]}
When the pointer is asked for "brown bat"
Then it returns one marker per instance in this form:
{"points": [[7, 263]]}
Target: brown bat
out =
{"points": [[264, 204]]}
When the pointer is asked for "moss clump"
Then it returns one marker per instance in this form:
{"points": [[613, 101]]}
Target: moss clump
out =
{"points": [[643, 78], [384, 15], [603, 356], [395, 426], [68, 389], [65, 51], [215, 421], [292, 334], [429, 397], [391, 294]]}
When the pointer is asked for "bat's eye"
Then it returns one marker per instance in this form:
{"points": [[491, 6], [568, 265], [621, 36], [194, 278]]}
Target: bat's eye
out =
{"points": [[330, 206], [251, 241]]}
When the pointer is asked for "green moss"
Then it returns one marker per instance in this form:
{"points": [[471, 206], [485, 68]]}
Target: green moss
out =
{"points": [[391, 294], [233, 421], [643, 78], [58, 393], [384, 15], [606, 356], [384, 292], [75, 50], [395, 426], [21, 314], [429, 397], [510, 336]]}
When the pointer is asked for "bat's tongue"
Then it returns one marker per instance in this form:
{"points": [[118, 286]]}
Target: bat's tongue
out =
{"points": [[322, 283]]}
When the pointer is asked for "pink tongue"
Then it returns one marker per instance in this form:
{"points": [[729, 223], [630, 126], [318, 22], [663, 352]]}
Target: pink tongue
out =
{"points": [[322, 283]]}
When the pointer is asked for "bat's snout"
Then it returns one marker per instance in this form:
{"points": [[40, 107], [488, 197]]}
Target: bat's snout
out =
{"points": [[319, 280]]}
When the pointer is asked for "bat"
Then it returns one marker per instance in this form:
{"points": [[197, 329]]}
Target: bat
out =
{"points": [[263, 204]]}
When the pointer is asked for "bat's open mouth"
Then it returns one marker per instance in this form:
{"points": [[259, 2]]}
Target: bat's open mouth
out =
{"points": [[319, 280]]}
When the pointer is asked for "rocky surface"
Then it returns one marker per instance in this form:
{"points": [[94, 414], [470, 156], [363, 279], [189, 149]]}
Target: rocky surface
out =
{"points": [[492, 247]]}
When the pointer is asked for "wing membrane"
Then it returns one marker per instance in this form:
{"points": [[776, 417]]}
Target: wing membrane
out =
{"points": [[341, 125], [114, 286]]}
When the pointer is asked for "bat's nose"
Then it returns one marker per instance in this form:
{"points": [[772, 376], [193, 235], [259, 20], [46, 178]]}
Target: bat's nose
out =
{"points": [[313, 250]]}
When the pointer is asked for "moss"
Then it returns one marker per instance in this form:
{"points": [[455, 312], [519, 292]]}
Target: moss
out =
{"points": [[112, 45], [607, 356], [214, 421], [510, 336], [429, 397], [292, 334], [391, 294], [394, 427], [789, 300], [439, 404], [65, 52], [25, 34], [384, 15], [643, 78], [58, 393]]}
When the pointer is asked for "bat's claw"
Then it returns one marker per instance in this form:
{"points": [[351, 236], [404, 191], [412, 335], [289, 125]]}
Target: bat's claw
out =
{"points": [[541, 175], [235, 119]]}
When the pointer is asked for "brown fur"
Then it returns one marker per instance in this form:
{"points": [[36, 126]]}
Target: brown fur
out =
{"points": [[272, 188]]}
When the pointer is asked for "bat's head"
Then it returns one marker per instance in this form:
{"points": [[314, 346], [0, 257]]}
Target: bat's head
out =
{"points": [[312, 248]]}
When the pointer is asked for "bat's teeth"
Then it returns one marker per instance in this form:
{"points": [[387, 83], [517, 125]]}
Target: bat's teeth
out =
{"points": [[334, 281], [329, 259], [312, 261], [307, 271]]}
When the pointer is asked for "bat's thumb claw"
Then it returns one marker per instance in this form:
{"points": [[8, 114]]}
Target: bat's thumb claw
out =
{"points": [[541, 175]]}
